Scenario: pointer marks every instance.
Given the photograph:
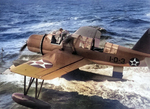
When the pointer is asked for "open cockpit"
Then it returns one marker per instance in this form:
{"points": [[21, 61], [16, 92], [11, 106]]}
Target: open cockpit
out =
{"points": [[86, 37]]}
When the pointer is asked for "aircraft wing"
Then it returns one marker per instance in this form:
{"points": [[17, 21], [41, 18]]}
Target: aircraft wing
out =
{"points": [[51, 65]]}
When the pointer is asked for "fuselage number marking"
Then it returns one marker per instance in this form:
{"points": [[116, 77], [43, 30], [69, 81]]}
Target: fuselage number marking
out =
{"points": [[117, 60]]}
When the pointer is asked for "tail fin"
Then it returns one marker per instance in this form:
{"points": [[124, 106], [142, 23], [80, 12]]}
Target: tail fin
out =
{"points": [[143, 44]]}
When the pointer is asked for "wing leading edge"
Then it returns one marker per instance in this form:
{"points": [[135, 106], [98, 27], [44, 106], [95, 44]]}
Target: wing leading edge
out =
{"points": [[52, 65]]}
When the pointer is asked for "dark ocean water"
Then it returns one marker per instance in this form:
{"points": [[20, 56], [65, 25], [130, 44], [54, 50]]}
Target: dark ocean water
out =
{"points": [[125, 21]]}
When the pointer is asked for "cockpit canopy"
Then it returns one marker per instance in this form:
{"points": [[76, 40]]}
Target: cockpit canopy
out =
{"points": [[88, 37], [89, 31]]}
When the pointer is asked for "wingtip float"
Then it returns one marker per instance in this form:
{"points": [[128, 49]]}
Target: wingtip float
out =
{"points": [[63, 52]]}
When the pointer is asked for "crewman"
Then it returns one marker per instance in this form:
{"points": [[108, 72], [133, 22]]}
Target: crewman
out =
{"points": [[68, 40], [53, 39], [59, 35], [63, 34]]}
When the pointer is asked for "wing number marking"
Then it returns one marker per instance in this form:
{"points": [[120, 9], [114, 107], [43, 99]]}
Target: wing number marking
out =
{"points": [[117, 60]]}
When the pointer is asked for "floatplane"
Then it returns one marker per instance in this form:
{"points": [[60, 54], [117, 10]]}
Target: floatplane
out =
{"points": [[81, 48]]}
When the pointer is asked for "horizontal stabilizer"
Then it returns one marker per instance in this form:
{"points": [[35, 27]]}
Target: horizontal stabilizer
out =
{"points": [[117, 72]]}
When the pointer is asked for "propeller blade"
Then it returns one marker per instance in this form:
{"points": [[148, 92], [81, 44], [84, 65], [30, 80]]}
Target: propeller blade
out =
{"points": [[23, 47]]}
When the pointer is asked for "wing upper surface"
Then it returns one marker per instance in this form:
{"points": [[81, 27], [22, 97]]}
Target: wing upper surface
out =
{"points": [[51, 65]]}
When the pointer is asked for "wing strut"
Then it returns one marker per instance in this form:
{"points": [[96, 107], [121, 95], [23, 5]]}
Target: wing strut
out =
{"points": [[117, 72], [29, 101], [37, 93]]}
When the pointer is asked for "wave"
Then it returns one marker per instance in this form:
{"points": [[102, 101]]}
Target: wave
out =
{"points": [[135, 21], [27, 22], [133, 93], [129, 20], [10, 56], [148, 14]]}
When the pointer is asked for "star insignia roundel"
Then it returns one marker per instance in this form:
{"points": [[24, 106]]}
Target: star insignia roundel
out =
{"points": [[134, 62], [41, 64]]}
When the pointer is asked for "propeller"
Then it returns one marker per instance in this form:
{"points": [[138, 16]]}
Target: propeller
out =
{"points": [[23, 47]]}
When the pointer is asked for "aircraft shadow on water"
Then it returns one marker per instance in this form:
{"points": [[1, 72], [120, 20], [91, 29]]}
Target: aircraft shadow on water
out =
{"points": [[80, 75], [62, 53], [67, 100]]}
